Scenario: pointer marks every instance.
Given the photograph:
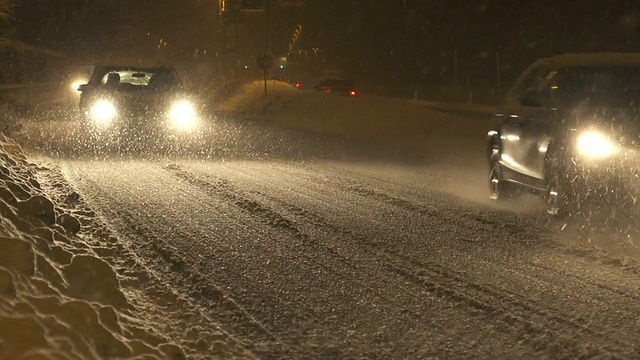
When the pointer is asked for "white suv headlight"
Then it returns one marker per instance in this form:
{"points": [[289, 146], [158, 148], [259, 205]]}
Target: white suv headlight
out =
{"points": [[103, 113], [596, 145], [183, 116]]}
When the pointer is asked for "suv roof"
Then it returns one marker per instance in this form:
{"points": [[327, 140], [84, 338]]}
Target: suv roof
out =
{"points": [[134, 67]]}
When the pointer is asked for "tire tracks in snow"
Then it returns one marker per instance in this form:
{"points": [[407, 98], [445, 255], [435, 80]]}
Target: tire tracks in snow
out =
{"points": [[143, 286], [515, 226], [181, 272], [458, 285], [223, 188], [545, 329], [551, 331]]}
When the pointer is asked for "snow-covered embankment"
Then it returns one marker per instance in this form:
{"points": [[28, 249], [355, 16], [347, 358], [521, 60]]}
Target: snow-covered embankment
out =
{"points": [[397, 123], [58, 299]]}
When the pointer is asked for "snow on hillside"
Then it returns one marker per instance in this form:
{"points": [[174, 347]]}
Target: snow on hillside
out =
{"points": [[398, 123], [249, 99], [68, 290]]}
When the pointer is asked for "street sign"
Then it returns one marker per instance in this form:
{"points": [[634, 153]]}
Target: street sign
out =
{"points": [[264, 61]]}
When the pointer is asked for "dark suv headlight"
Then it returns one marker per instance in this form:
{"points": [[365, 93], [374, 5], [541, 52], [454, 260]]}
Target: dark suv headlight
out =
{"points": [[183, 116], [596, 145], [102, 113]]}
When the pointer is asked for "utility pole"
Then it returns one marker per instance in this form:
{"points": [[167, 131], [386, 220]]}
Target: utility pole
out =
{"points": [[223, 28], [498, 73], [267, 5], [455, 81], [268, 13], [237, 20]]}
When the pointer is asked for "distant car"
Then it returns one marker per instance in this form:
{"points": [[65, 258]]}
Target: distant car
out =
{"points": [[569, 130], [337, 86], [141, 98]]}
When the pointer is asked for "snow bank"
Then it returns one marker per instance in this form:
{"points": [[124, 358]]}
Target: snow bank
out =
{"points": [[472, 109], [57, 298], [249, 100], [403, 124]]}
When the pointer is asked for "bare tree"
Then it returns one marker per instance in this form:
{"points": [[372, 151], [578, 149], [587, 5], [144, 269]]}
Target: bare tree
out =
{"points": [[6, 11], [5, 8]]}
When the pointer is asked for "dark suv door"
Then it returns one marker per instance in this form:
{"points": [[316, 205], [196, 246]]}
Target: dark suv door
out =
{"points": [[527, 122]]}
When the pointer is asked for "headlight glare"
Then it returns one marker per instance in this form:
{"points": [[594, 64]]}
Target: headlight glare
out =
{"points": [[103, 113], [183, 116], [76, 85], [596, 145]]}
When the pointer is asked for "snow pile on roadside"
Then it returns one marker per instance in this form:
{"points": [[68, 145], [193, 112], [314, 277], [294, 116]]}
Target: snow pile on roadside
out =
{"points": [[57, 298], [400, 123], [250, 101]]}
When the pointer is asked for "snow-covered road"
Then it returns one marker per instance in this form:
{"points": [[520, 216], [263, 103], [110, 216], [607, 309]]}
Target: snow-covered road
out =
{"points": [[308, 247]]}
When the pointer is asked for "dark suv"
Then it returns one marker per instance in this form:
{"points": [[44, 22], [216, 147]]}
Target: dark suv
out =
{"points": [[569, 130]]}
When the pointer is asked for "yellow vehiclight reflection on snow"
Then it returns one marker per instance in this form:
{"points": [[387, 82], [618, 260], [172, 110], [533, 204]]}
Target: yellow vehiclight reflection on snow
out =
{"points": [[102, 113], [183, 116], [596, 145]]}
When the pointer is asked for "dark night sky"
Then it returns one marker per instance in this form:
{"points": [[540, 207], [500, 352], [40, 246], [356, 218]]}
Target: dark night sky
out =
{"points": [[393, 40], [81, 27], [414, 40]]}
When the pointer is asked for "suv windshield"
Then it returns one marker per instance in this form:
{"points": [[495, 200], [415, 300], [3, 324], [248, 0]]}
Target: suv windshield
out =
{"points": [[140, 78]]}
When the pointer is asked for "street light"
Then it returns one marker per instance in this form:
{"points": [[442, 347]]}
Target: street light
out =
{"points": [[297, 34]]}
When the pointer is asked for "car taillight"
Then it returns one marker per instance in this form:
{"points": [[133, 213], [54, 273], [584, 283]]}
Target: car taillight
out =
{"points": [[298, 85], [353, 93]]}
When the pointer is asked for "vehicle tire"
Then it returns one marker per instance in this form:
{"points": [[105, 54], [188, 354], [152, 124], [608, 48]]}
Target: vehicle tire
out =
{"points": [[500, 190], [557, 190]]}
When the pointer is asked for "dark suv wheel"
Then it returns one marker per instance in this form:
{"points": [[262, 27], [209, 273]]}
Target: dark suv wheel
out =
{"points": [[500, 190], [557, 189]]}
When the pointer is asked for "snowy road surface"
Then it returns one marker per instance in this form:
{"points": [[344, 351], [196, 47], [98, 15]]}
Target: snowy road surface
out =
{"points": [[298, 255]]}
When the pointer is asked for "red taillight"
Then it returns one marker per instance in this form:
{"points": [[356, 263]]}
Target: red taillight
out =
{"points": [[353, 93], [298, 85]]}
